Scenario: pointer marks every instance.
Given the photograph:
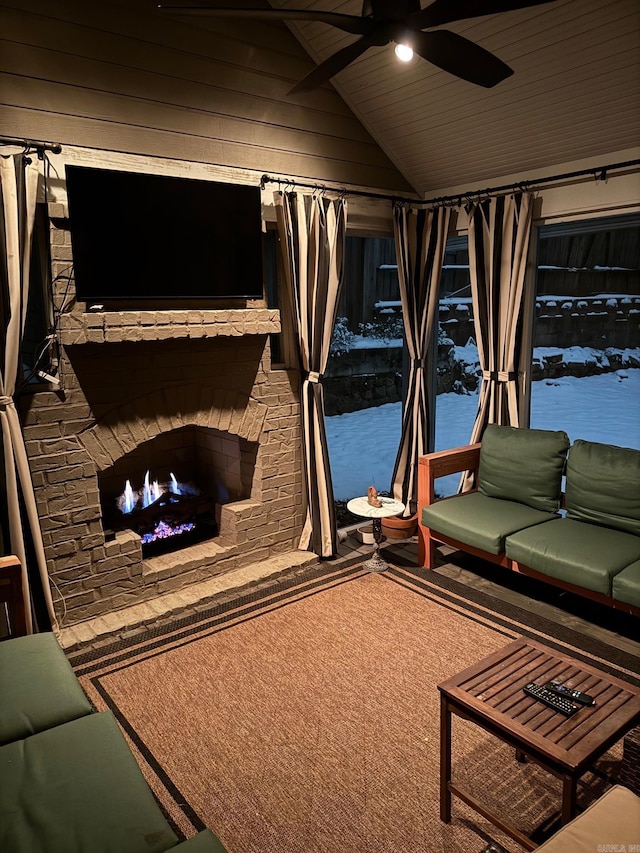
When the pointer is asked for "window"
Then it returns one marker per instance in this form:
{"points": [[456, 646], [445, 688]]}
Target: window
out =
{"points": [[586, 351], [586, 355], [363, 382], [457, 366]]}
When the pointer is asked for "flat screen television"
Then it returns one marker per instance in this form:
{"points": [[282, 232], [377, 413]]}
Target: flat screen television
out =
{"points": [[138, 236]]}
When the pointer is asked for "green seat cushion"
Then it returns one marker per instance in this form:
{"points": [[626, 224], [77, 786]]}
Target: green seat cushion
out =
{"points": [[203, 842], [626, 585], [582, 554], [78, 789], [480, 521], [38, 688], [524, 465], [603, 485]]}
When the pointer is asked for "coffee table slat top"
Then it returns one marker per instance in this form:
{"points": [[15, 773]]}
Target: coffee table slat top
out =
{"points": [[493, 689]]}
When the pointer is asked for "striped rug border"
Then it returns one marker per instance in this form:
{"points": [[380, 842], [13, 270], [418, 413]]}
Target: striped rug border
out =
{"points": [[286, 588], [583, 647]]}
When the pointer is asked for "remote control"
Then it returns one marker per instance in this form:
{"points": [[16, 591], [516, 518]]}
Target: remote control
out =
{"points": [[568, 693], [551, 698]]}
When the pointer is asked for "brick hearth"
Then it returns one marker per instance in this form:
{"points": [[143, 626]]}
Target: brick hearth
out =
{"points": [[129, 377]]}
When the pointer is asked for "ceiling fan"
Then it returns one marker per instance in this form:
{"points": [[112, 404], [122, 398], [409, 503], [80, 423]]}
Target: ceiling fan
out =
{"points": [[399, 21]]}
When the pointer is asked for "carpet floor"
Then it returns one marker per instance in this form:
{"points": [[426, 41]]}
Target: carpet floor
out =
{"points": [[305, 719]]}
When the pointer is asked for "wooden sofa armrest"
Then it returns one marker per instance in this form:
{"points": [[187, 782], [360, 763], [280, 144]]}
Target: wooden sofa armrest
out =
{"points": [[430, 467], [12, 594], [440, 464]]}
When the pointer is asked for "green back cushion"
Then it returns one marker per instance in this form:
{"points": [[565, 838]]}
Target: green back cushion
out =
{"points": [[523, 465], [42, 687], [603, 485]]}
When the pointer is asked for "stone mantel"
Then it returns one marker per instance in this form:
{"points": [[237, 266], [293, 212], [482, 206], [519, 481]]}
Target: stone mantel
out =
{"points": [[101, 327]]}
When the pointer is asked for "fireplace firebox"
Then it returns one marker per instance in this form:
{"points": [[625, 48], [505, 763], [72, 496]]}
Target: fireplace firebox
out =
{"points": [[166, 516], [169, 490]]}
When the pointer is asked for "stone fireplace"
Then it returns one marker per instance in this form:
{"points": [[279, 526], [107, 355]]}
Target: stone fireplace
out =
{"points": [[186, 392]]}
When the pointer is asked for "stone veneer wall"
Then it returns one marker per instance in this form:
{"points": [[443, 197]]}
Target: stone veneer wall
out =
{"points": [[128, 377]]}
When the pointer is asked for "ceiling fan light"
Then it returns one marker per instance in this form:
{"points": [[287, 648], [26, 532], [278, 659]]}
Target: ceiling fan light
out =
{"points": [[403, 52]]}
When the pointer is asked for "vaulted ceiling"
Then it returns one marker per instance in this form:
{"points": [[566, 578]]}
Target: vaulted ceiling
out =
{"points": [[574, 96]]}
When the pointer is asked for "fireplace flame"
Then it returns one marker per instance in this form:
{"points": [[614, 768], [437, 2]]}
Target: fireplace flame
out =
{"points": [[151, 491], [162, 510], [129, 502], [132, 499]]}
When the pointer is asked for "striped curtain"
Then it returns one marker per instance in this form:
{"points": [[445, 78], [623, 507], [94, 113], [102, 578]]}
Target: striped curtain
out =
{"points": [[18, 188], [312, 234], [420, 238], [499, 235]]}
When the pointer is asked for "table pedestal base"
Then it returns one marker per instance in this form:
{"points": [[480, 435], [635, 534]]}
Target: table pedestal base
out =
{"points": [[375, 563]]}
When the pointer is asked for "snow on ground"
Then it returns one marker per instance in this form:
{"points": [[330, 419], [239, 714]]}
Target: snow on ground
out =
{"points": [[363, 445]]}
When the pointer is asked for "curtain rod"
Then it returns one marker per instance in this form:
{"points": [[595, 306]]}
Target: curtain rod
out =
{"points": [[32, 145], [598, 172], [289, 182]]}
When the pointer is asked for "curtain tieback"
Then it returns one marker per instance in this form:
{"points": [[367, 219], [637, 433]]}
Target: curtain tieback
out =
{"points": [[5, 402], [500, 375], [313, 376], [417, 362]]}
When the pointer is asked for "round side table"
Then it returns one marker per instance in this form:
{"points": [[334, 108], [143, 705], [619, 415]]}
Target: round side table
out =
{"points": [[362, 507]]}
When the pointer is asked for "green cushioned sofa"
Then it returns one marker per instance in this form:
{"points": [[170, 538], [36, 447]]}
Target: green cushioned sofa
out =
{"points": [[586, 540], [68, 780]]}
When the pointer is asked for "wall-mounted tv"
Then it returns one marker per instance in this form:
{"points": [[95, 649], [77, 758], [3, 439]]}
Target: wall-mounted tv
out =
{"points": [[138, 236]]}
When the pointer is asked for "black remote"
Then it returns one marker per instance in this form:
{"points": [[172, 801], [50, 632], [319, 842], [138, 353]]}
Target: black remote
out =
{"points": [[569, 693], [551, 698]]}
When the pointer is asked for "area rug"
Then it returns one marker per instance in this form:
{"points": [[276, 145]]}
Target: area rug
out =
{"points": [[306, 719]]}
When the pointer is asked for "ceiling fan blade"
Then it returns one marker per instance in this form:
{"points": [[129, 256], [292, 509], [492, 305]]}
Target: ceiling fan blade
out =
{"points": [[348, 23], [336, 63], [445, 11], [461, 57]]}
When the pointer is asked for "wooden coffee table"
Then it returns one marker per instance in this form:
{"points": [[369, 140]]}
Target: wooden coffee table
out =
{"points": [[490, 694]]}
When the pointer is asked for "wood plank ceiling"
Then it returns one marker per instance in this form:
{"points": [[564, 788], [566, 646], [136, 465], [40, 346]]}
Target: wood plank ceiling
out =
{"points": [[574, 96]]}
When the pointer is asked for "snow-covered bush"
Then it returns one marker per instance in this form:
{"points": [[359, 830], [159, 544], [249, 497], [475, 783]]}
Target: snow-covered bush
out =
{"points": [[385, 328], [342, 338], [443, 337]]}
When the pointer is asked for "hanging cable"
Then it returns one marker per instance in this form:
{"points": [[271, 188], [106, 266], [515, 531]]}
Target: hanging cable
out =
{"points": [[46, 357]]}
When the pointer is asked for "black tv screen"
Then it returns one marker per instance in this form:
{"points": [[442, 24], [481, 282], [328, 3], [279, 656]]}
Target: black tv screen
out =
{"points": [[156, 237]]}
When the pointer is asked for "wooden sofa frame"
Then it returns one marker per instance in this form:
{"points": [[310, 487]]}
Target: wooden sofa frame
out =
{"points": [[12, 595], [445, 462]]}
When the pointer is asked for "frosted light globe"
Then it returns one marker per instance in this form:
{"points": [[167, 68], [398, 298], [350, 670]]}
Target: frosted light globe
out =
{"points": [[403, 52]]}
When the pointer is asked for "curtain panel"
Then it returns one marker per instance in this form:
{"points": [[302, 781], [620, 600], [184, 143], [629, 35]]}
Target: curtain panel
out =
{"points": [[312, 233], [18, 192], [499, 237], [420, 238]]}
